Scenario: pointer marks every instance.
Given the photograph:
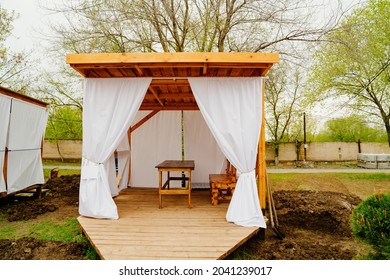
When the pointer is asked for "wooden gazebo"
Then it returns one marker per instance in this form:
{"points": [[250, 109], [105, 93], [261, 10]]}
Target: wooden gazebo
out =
{"points": [[170, 89], [144, 231]]}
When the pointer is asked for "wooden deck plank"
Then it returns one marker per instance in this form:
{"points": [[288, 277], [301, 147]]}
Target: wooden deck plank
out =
{"points": [[144, 231]]}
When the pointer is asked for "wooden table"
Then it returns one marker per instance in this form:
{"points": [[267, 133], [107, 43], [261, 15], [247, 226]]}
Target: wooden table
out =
{"points": [[175, 166]]}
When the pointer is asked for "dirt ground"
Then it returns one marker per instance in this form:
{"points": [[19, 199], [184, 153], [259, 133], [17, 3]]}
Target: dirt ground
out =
{"points": [[58, 202], [315, 223]]}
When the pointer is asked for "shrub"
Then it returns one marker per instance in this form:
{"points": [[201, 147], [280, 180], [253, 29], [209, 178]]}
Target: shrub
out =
{"points": [[370, 222]]}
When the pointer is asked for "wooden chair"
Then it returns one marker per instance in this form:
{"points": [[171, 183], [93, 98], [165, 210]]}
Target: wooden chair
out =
{"points": [[222, 185]]}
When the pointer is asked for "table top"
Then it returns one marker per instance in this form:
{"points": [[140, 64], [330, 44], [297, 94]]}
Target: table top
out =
{"points": [[187, 164]]}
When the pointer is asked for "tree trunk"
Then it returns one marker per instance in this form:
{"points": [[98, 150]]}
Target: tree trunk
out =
{"points": [[276, 153], [387, 125]]}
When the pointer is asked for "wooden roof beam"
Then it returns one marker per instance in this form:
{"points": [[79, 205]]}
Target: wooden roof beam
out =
{"points": [[139, 70], [204, 68], [169, 81], [178, 57], [144, 120], [26, 98], [169, 95], [156, 96], [171, 107]]}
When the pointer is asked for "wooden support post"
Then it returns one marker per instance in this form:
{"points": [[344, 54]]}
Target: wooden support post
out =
{"points": [[129, 138], [5, 171], [3, 194], [261, 158]]}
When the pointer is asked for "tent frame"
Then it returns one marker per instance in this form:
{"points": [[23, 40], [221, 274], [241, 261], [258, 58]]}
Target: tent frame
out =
{"points": [[15, 95]]}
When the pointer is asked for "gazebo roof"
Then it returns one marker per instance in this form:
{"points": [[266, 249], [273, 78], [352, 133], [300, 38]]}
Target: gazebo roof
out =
{"points": [[26, 98], [170, 89]]}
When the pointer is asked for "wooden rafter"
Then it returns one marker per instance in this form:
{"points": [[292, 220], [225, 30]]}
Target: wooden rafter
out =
{"points": [[145, 119], [139, 70], [171, 107], [156, 96]]}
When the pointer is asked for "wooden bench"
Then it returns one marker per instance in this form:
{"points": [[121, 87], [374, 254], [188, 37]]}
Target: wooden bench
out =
{"points": [[222, 185]]}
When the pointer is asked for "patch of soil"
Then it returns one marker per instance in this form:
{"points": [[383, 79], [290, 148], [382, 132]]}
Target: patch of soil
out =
{"points": [[33, 249], [316, 225], [58, 201], [58, 193]]}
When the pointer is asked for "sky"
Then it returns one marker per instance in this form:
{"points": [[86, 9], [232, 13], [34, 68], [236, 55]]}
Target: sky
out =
{"points": [[25, 35]]}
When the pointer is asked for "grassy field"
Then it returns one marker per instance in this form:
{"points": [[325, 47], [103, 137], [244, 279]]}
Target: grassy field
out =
{"points": [[361, 184], [62, 166]]}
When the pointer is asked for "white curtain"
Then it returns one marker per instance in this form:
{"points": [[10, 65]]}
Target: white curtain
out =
{"points": [[200, 145], [5, 103], [26, 130], [232, 108], [156, 140], [110, 105], [123, 163]]}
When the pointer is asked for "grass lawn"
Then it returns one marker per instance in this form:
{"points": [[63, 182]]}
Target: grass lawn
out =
{"points": [[361, 184], [62, 166]]}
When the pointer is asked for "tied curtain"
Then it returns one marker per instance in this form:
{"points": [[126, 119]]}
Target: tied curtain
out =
{"points": [[232, 109], [110, 106]]}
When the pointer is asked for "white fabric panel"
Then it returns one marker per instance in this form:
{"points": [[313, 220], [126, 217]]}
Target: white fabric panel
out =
{"points": [[200, 145], [123, 163], [24, 170], [110, 106], [232, 109], [26, 130], [5, 103], [156, 140]]}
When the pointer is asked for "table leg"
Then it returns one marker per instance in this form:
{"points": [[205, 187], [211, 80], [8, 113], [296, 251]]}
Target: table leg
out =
{"points": [[189, 188], [159, 189], [169, 174]]}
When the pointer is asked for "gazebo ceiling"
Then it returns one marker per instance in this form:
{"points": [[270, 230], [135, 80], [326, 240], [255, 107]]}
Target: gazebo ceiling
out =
{"points": [[170, 89]]}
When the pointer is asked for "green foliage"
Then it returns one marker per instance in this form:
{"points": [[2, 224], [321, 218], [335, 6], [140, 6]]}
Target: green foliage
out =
{"points": [[64, 123], [350, 129], [354, 62], [6, 19], [370, 222]]}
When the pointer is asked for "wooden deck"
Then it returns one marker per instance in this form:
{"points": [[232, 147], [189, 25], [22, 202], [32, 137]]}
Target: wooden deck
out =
{"points": [[144, 231]]}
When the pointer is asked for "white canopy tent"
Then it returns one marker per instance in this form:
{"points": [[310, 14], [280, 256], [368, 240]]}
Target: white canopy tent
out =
{"points": [[231, 106], [22, 126]]}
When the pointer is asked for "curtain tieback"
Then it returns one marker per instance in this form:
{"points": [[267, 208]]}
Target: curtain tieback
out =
{"points": [[91, 161], [245, 172], [90, 171]]}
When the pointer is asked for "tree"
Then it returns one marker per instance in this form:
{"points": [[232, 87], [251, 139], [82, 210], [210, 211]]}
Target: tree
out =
{"points": [[13, 65], [64, 123], [355, 60], [352, 128], [282, 100], [188, 25]]}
